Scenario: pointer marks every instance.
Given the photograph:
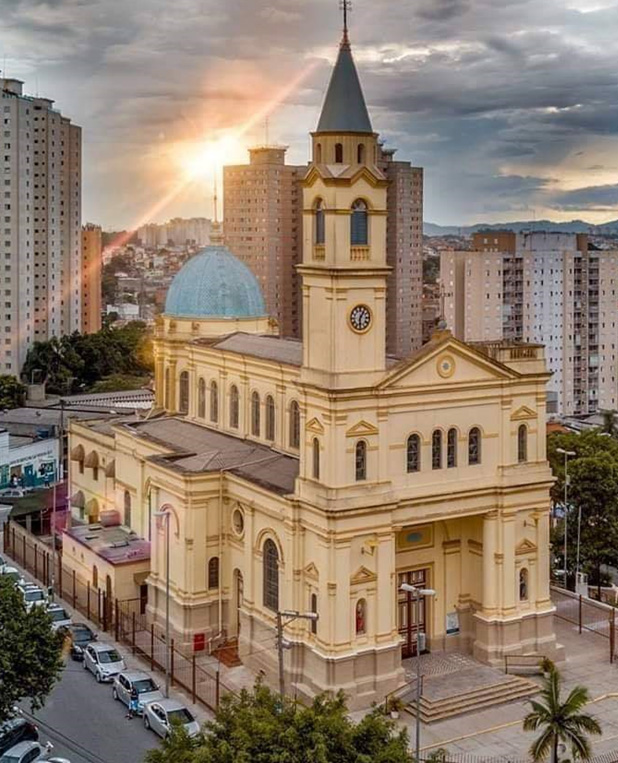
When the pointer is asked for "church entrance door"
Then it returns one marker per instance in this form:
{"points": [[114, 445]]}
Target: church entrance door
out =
{"points": [[407, 610]]}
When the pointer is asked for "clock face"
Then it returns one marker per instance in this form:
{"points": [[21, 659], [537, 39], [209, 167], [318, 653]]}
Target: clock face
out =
{"points": [[360, 318]]}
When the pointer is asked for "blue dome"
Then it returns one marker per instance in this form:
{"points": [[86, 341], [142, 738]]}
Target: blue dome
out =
{"points": [[215, 284]]}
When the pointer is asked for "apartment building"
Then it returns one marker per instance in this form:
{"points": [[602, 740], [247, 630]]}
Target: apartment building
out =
{"points": [[545, 288], [91, 278], [404, 253], [176, 232], [40, 239], [263, 228]]}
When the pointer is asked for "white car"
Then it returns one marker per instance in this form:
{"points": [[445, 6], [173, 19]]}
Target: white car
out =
{"points": [[103, 661], [60, 617], [13, 573], [30, 752], [34, 597], [162, 714], [147, 689]]}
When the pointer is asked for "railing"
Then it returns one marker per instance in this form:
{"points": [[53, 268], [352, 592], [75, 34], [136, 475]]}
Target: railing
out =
{"points": [[403, 691], [588, 614], [359, 253], [126, 620]]}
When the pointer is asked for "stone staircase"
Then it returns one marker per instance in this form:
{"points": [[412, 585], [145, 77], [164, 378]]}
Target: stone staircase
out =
{"points": [[511, 689]]}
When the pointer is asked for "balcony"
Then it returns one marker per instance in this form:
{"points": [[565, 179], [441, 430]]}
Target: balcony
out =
{"points": [[359, 253]]}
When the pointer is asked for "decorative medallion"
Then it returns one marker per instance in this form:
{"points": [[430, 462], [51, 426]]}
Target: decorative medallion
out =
{"points": [[446, 366]]}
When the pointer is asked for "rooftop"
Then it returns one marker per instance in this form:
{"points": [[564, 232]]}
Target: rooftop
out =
{"points": [[114, 544], [197, 449], [288, 351]]}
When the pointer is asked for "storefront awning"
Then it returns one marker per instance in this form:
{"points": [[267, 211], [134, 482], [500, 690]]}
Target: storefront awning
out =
{"points": [[77, 453], [92, 460]]}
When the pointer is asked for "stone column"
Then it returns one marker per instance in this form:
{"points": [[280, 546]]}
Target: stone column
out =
{"points": [[543, 597], [490, 576], [508, 600], [386, 613], [173, 396], [159, 382]]}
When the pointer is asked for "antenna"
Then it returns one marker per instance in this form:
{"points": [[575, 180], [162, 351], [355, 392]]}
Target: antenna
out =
{"points": [[216, 200], [266, 130], [345, 6]]}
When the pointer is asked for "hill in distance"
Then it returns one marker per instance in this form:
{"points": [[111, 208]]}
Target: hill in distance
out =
{"points": [[574, 226]]}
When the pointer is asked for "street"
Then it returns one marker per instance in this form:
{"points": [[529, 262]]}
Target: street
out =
{"points": [[85, 725]]}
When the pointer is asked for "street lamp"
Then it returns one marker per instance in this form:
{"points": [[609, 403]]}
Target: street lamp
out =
{"points": [[418, 594], [567, 454], [290, 616], [166, 514]]}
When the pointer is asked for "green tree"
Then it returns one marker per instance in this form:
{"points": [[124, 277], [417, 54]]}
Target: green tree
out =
{"points": [[30, 652], [12, 392], [560, 721], [256, 727]]}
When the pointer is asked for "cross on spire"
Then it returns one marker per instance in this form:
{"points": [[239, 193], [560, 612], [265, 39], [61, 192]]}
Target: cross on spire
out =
{"points": [[346, 7]]}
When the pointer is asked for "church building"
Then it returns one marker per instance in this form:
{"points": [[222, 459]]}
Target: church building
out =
{"points": [[319, 476]]}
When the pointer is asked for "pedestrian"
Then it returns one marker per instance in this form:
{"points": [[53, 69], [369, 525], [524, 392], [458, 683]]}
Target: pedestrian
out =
{"points": [[133, 704]]}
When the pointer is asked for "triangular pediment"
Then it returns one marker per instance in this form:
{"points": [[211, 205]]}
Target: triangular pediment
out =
{"points": [[363, 575], [526, 547], [446, 361], [362, 429], [315, 425], [311, 571], [523, 414]]}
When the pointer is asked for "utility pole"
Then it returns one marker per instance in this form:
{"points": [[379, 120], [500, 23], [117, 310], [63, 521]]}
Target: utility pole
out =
{"points": [[166, 515], [290, 616]]}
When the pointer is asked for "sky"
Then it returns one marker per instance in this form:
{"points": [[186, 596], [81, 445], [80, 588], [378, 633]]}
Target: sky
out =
{"points": [[511, 106]]}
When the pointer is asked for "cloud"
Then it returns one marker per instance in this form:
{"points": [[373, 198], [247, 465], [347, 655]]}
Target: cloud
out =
{"points": [[600, 198], [495, 98]]}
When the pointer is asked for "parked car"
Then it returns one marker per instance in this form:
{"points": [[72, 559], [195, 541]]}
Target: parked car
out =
{"points": [[34, 596], [15, 492], [2, 562], [60, 617], [160, 715], [31, 752], [13, 573], [16, 730], [103, 661], [81, 635], [147, 689]]}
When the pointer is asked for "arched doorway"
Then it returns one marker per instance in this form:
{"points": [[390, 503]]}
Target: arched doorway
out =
{"points": [[238, 593]]}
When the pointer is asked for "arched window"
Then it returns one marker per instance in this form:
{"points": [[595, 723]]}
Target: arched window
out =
{"points": [[436, 449], [320, 226], [413, 456], [127, 508], [474, 446], [214, 402], [359, 230], [361, 461], [522, 444], [360, 153], [523, 585], [338, 153], [294, 425], [168, 390], [313, 607], [213, 572], [201, 399], [318, 153], [255, 414], [234, 407], [270, 418], [361, 617], [316, 458], [271, 575], [451, 448], [183, 393]]}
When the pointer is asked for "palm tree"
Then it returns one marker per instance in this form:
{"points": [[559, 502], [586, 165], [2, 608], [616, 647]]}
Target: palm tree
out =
{"points": [[560, 721]]}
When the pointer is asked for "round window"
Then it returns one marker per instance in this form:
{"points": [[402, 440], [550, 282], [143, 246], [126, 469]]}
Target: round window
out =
{"points": [[238, 522]]}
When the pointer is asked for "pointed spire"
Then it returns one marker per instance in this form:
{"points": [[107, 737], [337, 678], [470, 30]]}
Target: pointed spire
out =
{"points": [[344, 107]]}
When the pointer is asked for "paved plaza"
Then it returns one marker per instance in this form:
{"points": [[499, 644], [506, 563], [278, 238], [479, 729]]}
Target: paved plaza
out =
{"points": [[497, 732]]}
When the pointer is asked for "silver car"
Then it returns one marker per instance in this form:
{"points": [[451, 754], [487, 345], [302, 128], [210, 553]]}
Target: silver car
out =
{"points": [[147, 689], [33, 596], [103, 661], [60, 617], [30, 752], [162, 714], [13, 574]]}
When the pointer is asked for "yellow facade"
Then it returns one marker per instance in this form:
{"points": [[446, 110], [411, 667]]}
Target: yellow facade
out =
{"points": [[321, 476]]}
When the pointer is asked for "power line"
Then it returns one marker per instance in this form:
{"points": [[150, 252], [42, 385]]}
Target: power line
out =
{"points": [[70, 743]]}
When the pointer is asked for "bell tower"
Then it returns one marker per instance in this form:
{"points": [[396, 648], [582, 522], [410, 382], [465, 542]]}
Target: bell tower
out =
{"points": [[344, 268]]}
